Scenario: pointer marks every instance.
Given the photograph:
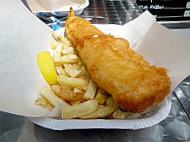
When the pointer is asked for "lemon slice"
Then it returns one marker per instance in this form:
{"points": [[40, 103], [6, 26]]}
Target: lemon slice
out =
{"points": [[47, 68]]}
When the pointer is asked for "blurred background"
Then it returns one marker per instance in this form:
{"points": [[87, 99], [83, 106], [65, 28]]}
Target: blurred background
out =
{"points": [[167, 10], [170, 13]]}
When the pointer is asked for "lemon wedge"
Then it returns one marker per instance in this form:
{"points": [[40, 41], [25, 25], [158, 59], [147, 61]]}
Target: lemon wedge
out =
{"points": [[47, 68]]}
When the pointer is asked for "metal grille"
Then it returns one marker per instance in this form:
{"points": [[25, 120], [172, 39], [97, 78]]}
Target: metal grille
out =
{"points": [[116, 12]]}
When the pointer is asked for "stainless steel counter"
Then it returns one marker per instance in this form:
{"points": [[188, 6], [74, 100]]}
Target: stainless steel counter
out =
{"points": [[175, 128]]}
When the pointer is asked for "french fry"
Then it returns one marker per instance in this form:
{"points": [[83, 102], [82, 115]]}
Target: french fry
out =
{"points": [[73, 57], [81, 109], [72, 82], [63, 40], [84, 78], [91, 90], [68, 50], [72, 70], [101, 112], [66, 59], [44, 103], [51, 97], [66, 42], [110, 101], [84, 72], [76, 66], [56, 36], [101, 96], [67, 94], [79, 95], [118, 114], [57, 53], [76, 90], [55, 44], [56, 89], [60, 70]]}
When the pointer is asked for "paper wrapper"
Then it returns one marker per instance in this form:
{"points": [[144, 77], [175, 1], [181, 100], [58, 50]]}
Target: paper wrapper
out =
{"points": [[62, 6], [23, 36]]}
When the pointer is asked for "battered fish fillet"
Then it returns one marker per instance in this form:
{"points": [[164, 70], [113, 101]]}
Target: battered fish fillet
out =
{"points": [[134, 84]]}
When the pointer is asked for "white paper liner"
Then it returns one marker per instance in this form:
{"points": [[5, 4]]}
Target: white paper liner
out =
{"points": [[23, 36], [152, 117], [62, 6], [55, 124]]}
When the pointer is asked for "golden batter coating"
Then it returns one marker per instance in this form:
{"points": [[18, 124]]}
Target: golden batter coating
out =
{"points": [[134, 84]]}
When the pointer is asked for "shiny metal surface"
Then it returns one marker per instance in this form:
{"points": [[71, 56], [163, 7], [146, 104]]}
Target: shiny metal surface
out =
{"points": [[118, 12], [175, 128], [122, 11], [183, 94], [176, 24]]}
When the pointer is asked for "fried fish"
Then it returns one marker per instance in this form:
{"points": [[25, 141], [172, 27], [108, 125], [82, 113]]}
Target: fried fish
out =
{"points": [[134, 84]]}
